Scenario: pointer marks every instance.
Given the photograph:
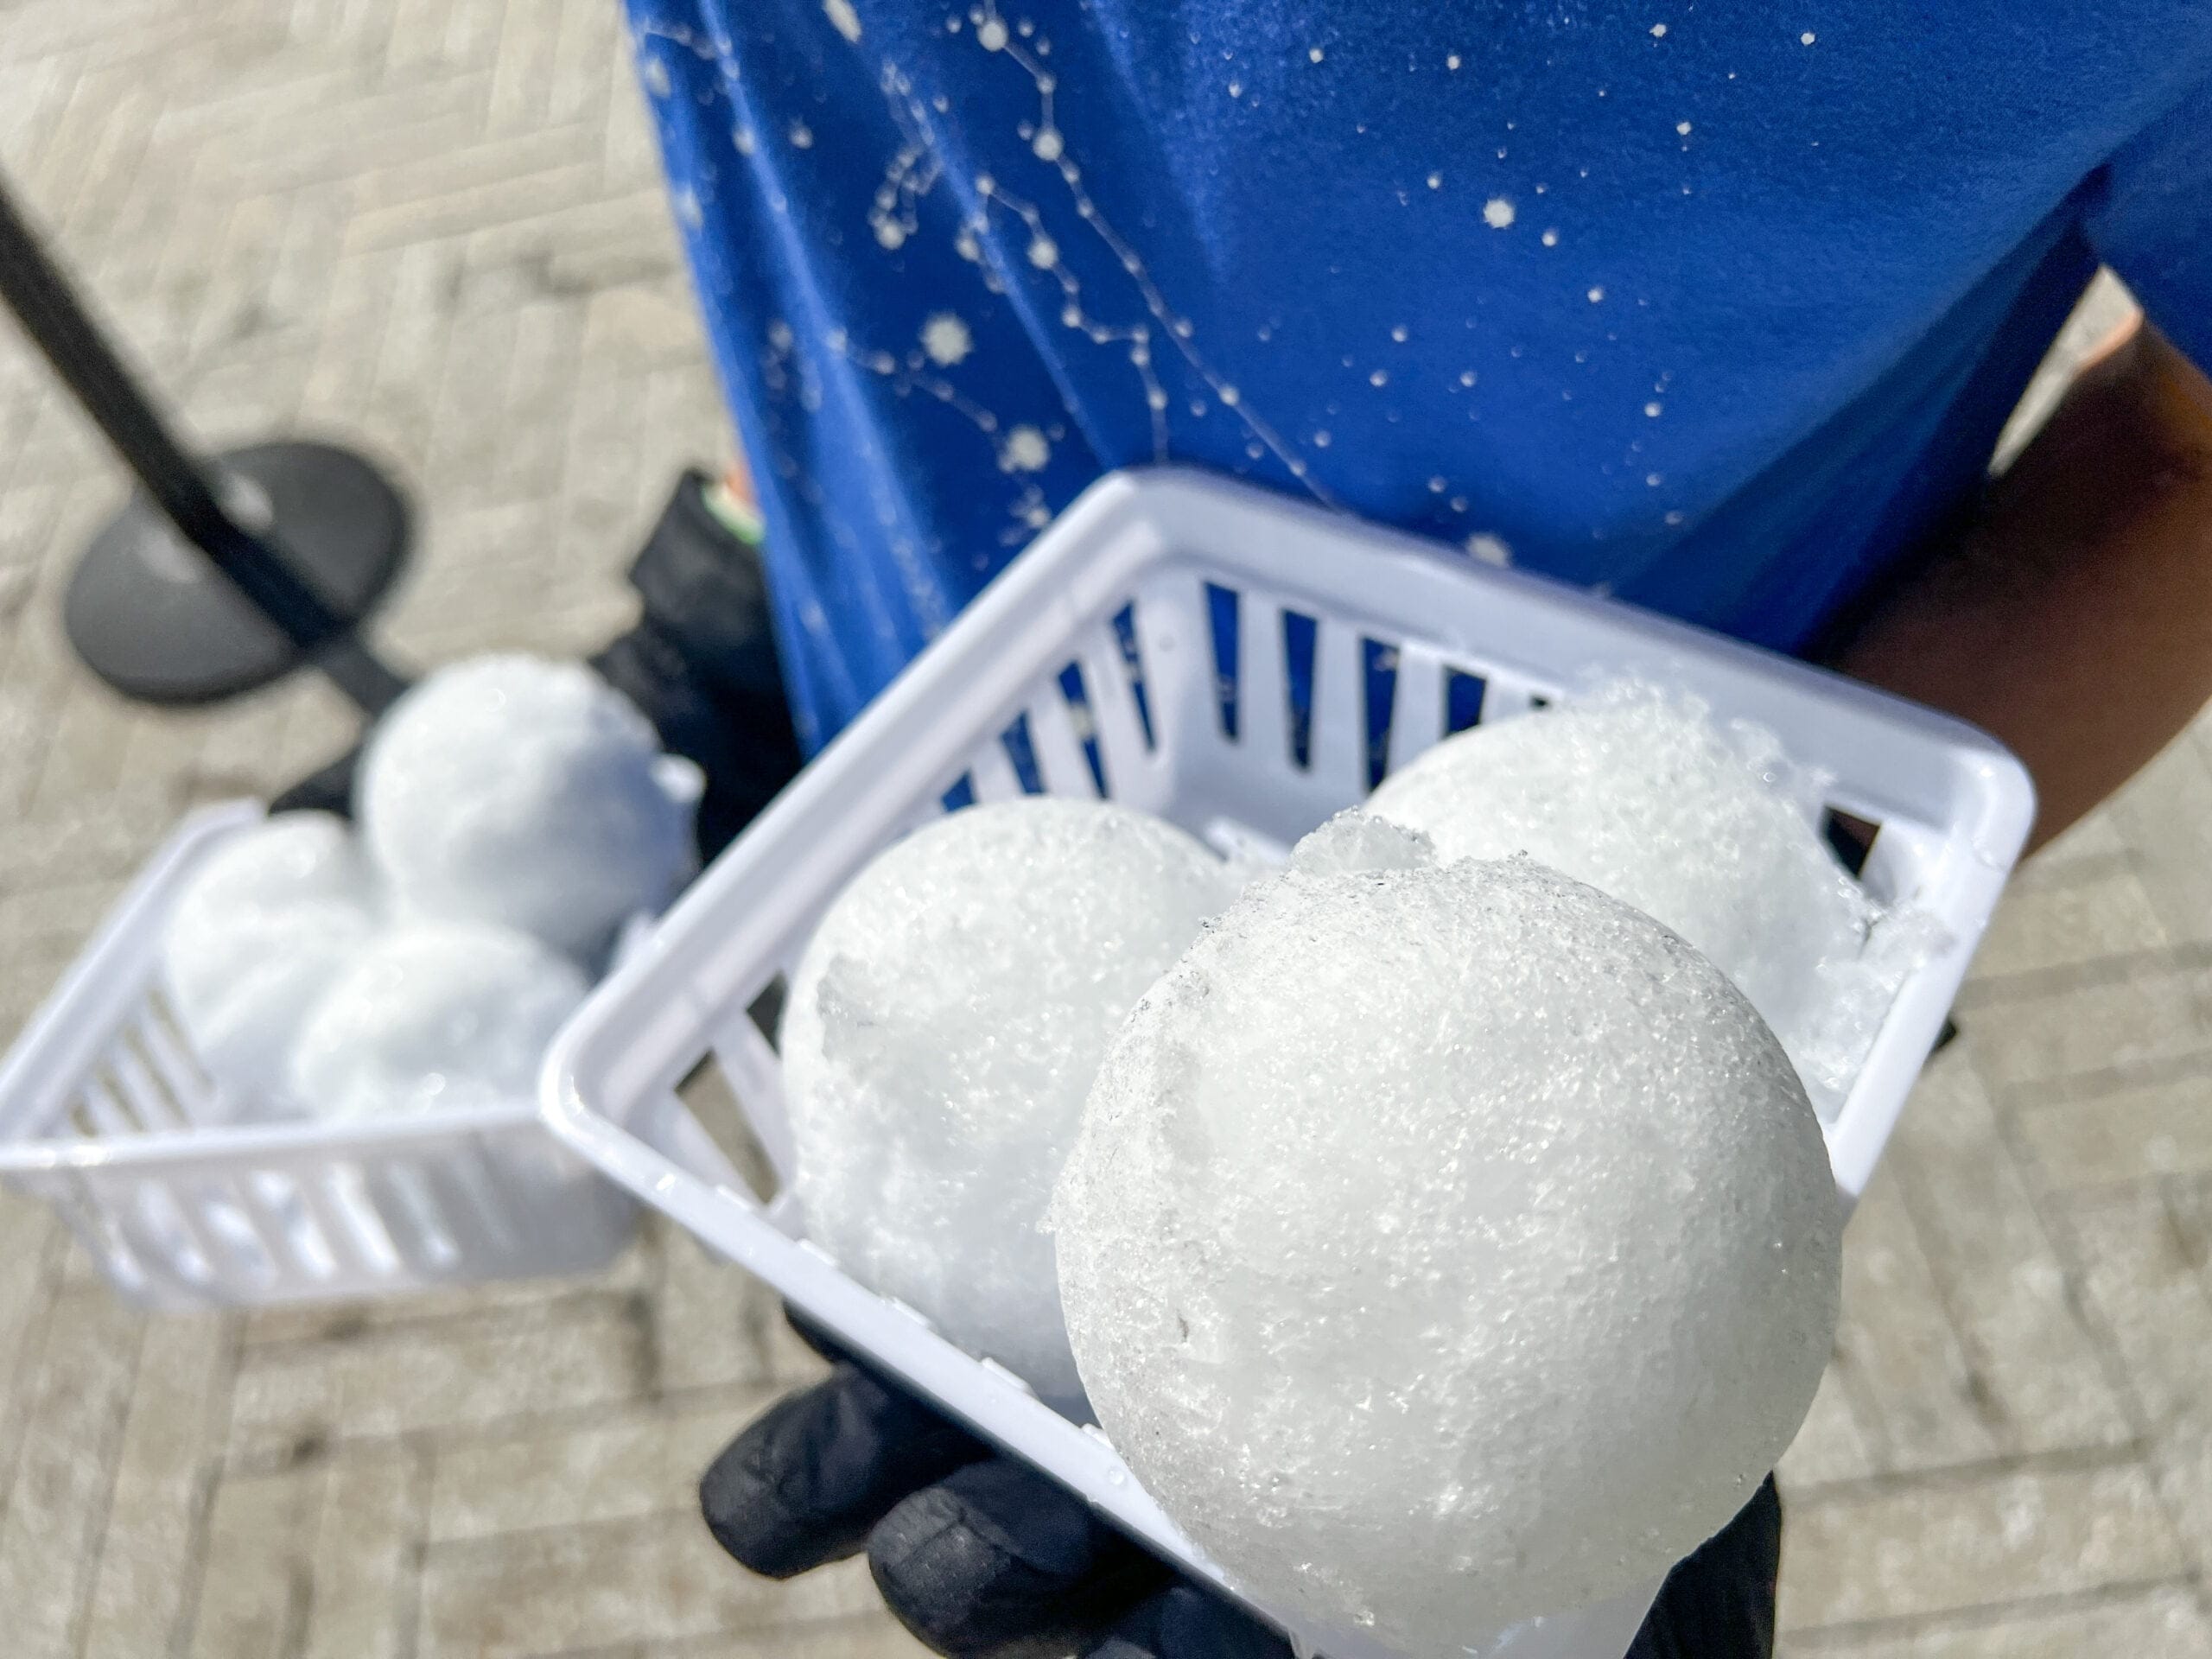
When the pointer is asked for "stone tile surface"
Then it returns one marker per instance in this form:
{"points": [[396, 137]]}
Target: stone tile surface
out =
{"points": [[2134, 1017], [432, 228], [861, 1638], [368, 1555], [1962, 1542], [644, 1462], [1834, 1444], [2165, 1623], [157, 1505], [2051, 925], [2100, 1139], [1903, 1360], [58, 1513], [661, 1579], [2165, 821], [2034, 1374], [438, 1375], [2143, 1256]]}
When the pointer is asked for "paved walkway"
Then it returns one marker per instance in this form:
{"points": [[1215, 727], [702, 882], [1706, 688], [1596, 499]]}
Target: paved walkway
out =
{"points": [[433, 227]]}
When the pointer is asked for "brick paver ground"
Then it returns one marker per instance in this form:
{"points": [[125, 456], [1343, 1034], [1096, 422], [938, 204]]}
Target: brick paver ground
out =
{"points": [[433, 227]]}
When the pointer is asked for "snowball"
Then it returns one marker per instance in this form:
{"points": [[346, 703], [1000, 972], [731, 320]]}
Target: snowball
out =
{"points": [[259, 931], [943, 1029], [1637, 793], [435, 1015], [1446, 1246], [527, 793]]}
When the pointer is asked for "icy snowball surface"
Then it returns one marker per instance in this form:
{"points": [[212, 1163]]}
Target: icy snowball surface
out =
{"points": [[435, 1015], [527, 793], [942, 1030], [1710, 831], [259, 931], [1446, 1246]]}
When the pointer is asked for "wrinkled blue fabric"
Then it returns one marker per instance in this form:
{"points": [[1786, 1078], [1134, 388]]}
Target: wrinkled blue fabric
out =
{"points": [[1720, 305]]}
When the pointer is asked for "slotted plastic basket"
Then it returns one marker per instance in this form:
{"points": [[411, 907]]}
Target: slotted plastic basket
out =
{"points": [[105, 1115], [1246, 667]]}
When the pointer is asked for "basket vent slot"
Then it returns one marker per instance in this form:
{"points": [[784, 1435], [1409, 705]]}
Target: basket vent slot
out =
{"points": [[1463, 699], [1125, 635], [1084, 723], [1022, 753], [1299, 634], [1220, 614], [1378, 686]]}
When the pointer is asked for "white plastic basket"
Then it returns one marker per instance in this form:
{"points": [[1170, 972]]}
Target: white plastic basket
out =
{"points": [[104, 1114], [1105, 660]]}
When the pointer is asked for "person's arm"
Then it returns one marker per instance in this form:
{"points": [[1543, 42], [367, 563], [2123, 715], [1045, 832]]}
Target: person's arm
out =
{"points": [[2073, 621]]}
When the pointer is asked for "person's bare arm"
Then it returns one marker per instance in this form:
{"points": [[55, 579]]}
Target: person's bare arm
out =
{"points": [[2074, 620]]}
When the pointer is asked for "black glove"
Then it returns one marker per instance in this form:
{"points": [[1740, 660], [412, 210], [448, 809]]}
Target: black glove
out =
{"points": [[701, 663], [979, 1555]]}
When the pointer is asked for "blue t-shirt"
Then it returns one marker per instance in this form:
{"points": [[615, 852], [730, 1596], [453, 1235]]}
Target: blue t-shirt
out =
{"points": [[1718, 305]]}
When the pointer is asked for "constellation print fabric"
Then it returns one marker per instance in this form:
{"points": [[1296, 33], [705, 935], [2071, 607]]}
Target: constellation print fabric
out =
{"points": [[1716, 305]]}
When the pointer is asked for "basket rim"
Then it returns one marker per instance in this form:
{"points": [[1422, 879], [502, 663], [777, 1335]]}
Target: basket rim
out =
{"points": [[1042, 578], [230, 1143]]}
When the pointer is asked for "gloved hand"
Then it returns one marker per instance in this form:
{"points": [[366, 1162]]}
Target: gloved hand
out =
{"points": [[983, 1558], [977, 1553]]}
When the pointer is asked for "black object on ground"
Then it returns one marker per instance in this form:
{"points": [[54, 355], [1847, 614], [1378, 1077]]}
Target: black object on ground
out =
{"points": [[300, 539], [328, 789], [160, 622], [702, 662]]}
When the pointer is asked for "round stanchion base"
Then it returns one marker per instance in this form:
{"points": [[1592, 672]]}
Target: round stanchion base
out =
{"points": [[151, 615]]}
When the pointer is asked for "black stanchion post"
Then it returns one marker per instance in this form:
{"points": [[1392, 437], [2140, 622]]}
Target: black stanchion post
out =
{"points": [[300, 540]]}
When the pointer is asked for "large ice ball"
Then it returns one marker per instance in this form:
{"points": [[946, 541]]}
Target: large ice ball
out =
{"points": [[527, 793], [259, 931], [435, 1015], [1638, 793], [942, 1030], [1446, 1246]]}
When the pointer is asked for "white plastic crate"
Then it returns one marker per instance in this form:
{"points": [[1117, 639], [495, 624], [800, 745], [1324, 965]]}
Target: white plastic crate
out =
{"points": [[1147, 648], [105, 1114]]}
